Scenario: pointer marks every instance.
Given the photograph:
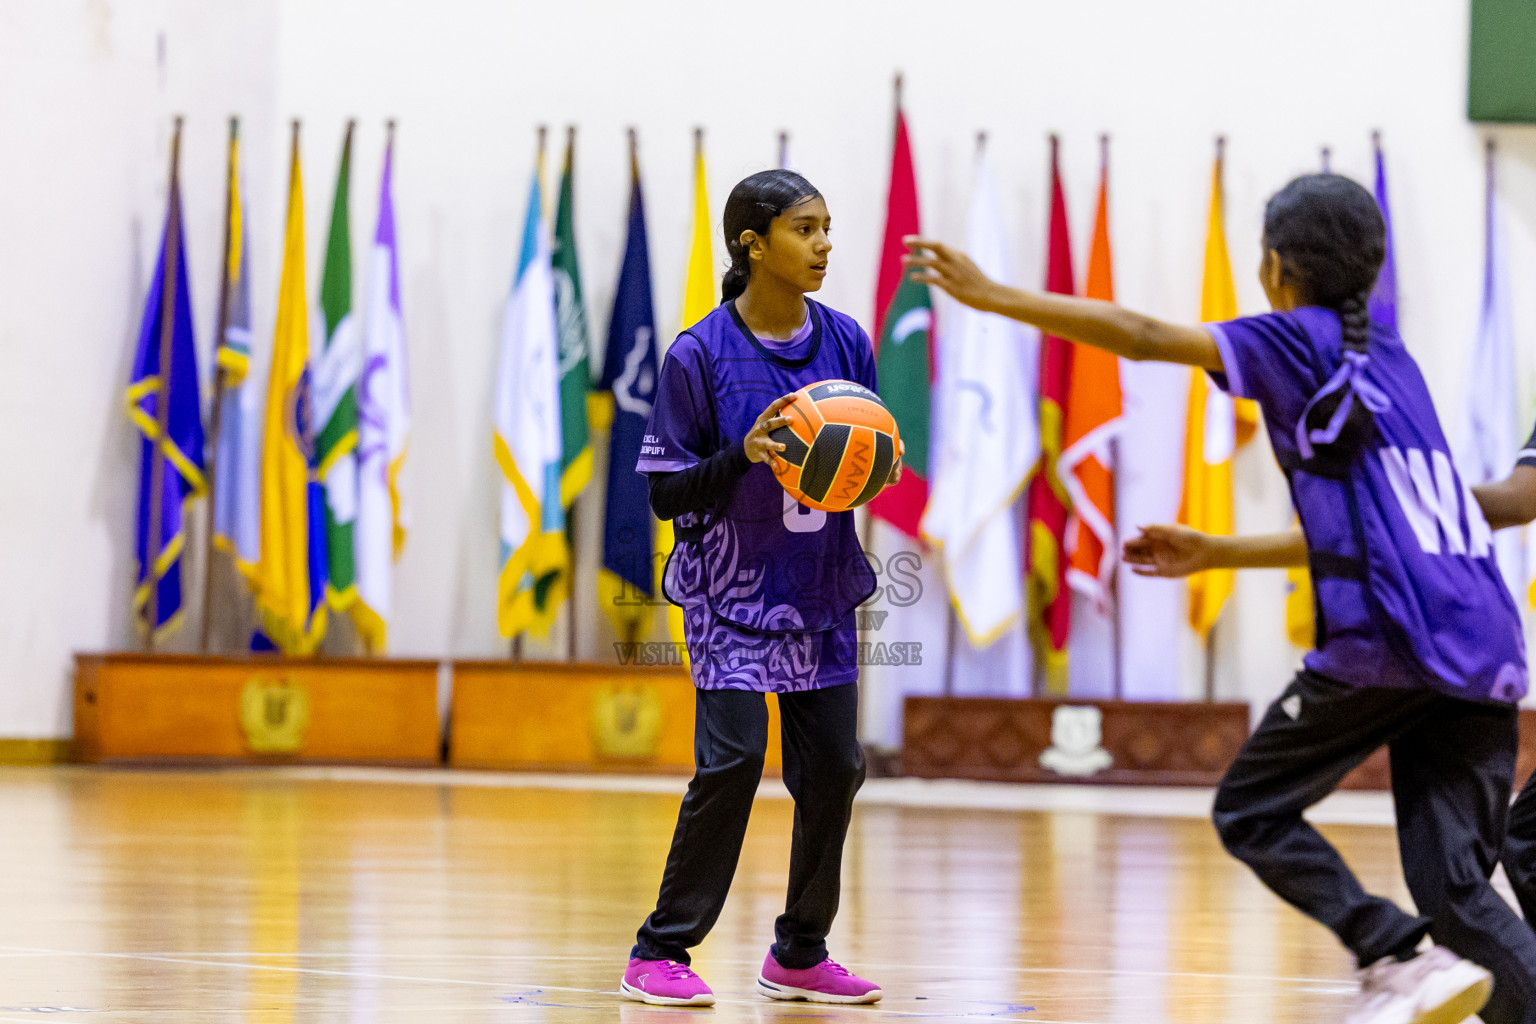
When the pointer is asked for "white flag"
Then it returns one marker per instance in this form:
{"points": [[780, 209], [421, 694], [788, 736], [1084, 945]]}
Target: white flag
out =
{"points": [[527, 430], [988, 441], [245, 364], [1491, 432], [383, 429]]}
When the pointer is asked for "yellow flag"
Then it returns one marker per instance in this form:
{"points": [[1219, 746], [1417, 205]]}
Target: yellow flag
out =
{"points": [[290, 602], [699, 294], [1214, 426], [699, 297]]}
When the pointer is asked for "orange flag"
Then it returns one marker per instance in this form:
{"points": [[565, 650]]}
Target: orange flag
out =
{"points": [[1093, 418]]}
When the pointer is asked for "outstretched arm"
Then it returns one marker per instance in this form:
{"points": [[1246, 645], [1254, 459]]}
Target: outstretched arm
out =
{"points": [[1174, 551], [1511, 501], [1089, 321]]}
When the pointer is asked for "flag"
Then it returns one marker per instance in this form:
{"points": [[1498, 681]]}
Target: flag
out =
{"points": [[1050, 601], [699, 298], [337, 370], [383, 428], [1300, 614], [527, 430], [1383, 304], [1092, 419], [237, 491], [291, 576], [1490, 434], [172, 458], [575, 373], [626, 581], [1214, 425], [699, 292], [987, 441], [903, 363]]}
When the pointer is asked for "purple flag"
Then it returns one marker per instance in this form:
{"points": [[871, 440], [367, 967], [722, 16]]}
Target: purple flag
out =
{"points": [[1383, 305], [181, 473]]}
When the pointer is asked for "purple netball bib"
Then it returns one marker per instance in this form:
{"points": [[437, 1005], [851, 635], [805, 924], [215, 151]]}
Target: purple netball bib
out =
{"points": [[1408, 591], [762, 560]]}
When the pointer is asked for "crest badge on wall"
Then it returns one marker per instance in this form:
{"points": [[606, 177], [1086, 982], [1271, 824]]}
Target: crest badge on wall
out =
{"points": [[626, 721], [273, 715], [1077, 735]]}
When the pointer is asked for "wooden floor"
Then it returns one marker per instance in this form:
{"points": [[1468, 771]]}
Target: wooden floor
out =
{"points": [[271, 897]]}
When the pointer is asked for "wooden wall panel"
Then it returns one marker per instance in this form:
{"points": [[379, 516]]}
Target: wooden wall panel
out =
{"points": [[1128, 743], [533, 716], [159, 708]]}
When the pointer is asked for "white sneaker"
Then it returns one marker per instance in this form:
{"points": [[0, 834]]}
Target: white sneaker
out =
{"points": [[1435, 987]]}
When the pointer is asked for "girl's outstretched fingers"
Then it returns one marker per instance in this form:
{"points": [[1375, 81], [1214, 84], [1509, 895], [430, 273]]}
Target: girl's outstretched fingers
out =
{"points": [[933, 262], [1168, 551]]}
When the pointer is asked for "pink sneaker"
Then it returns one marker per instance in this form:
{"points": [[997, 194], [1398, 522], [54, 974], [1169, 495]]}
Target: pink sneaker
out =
{"points": [[664, 983], [827, 982]]}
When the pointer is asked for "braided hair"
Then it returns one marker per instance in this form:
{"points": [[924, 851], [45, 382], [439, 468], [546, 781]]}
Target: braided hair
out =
{"points": [[1332, 239], [754, 203]]}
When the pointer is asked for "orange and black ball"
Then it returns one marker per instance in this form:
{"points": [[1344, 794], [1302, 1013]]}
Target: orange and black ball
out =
{"points": [[840, 446]]}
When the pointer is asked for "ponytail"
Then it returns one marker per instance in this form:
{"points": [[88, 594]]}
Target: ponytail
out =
{"points": [[1331, 239], [735, 280], [1355, 320], [1339, 421], [755, 201]]}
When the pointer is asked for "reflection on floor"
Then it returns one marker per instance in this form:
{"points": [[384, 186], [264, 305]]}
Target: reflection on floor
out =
{"points": [[302, 895]]}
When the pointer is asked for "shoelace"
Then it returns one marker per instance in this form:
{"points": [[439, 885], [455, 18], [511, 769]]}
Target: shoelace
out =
{"points": [[674, 970], [833, 967]]}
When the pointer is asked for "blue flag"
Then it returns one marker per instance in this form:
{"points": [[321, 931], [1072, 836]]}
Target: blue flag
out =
{"points": [[1383, 305], [626, 581], [180, 450]]}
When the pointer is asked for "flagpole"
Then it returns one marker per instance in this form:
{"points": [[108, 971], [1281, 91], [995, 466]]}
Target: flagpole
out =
{"points": [[1327, 160], [216, 415], [783, 150], [951, 640], [169, 282], [1210, 662]]}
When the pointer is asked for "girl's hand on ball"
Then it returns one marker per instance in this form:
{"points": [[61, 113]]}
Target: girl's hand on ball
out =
{"points": [[895, 476], [937, 264], [1169, 551], [757, 444]]}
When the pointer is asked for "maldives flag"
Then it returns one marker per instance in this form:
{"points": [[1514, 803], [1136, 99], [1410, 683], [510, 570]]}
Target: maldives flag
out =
{"points": [[903, 321], [1050, 602], [1091, 421]]}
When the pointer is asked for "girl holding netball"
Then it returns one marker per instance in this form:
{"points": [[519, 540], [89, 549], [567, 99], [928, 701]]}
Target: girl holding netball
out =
{"points": [[1419, 646], [768, 589]]}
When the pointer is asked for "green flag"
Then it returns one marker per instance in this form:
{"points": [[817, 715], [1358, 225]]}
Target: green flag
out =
{"points": [[575, 369], [334, 395], [903, 346]]}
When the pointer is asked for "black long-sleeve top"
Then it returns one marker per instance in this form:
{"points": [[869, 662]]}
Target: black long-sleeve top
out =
{"points": [[698, 487]]}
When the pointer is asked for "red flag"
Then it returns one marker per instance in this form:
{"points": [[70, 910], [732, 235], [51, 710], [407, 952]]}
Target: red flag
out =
{"points": [[1050, 602], [1093, 418], [903, 358]]}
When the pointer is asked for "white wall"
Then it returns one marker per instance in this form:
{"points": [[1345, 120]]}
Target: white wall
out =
{"points": [[84, 104]]}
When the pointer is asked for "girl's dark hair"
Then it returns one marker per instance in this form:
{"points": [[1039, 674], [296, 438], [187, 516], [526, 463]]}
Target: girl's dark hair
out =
{"points": [[753, 204], [1332, 240], [1331, 236]]}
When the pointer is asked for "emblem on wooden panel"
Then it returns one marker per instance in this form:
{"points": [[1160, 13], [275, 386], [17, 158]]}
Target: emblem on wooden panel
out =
{"points": [[1077, 735], [626, 721], [273, 715]]}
